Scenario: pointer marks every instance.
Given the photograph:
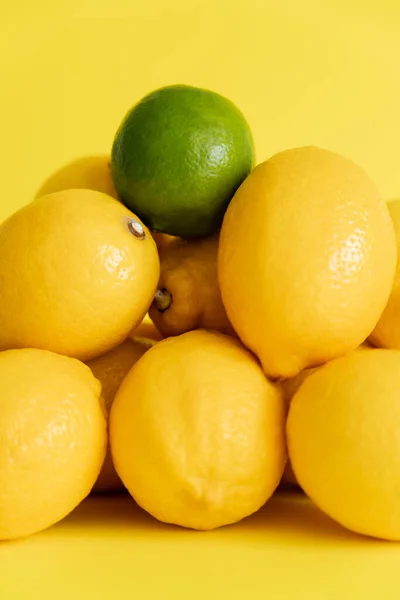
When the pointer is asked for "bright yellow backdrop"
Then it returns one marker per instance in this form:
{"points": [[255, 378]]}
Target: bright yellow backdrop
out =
{"points": [[323, 72], [320, 72]]}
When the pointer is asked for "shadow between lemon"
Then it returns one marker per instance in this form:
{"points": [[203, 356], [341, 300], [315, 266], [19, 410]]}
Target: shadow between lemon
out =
{"points": [[110, 512], [289, 518]]}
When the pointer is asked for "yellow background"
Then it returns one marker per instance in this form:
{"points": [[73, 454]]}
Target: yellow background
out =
{"points": [[323, 72]]}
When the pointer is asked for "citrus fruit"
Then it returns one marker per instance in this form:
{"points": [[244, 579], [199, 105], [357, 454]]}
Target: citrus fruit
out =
{"points": [[188, 295], [146, 330], [197, 431], [178, 157], [110, 369], [344, 443], [387, 332], [307, 258], [87, 172], [75, 277], [53, 438], [289, 388], [162, 240]]}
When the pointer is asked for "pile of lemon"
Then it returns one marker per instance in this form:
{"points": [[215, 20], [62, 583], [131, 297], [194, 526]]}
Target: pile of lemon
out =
{"points": [[271, 286]]}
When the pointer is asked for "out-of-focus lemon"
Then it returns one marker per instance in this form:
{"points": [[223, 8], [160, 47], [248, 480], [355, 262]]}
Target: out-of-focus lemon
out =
{"points": [[188, 294], [87, 172], [110, 369], [53, 438], [387, 332]]}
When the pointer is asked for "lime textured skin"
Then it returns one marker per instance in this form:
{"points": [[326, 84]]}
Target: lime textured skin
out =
{"points": [[178, 157]]}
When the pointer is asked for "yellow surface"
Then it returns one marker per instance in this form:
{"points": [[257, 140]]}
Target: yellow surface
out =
{"points": [[111, 549], [303, 71]]}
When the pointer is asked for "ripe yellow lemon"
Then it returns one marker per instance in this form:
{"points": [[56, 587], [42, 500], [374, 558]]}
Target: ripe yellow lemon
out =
{"points": [[110, 369], [52, 442], [344, 444], [75, 275], [387, 332], [188, 294], [307, 259], [290, 387], [146, 330], [197, 431], [87, 172]]}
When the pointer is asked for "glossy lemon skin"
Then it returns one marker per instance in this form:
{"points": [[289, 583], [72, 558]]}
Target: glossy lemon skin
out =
{"points": [[307, 259], [74, 279]]}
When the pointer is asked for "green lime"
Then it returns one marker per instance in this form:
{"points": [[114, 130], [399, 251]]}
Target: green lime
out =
{"points": [[178, 157]]}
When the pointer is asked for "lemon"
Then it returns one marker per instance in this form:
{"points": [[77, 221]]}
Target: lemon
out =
{"points": [[343, 439], [162, 240], [178, 157], [307, 259], [289, 388], [87, 172], [52, 442], [387, 332], [188, 294], [110, 369], [74, 277], [197, 431], [146, 330]]}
